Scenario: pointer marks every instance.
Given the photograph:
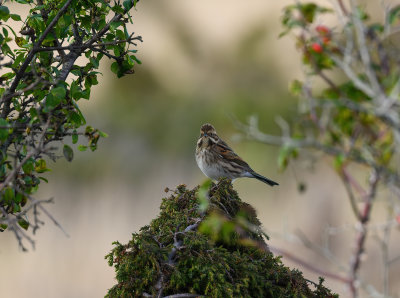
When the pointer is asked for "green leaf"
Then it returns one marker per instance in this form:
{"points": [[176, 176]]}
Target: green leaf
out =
{"points": [[338, 162], [23, 224], [16, 208], [8, 195], [4, 13], [68, 153], [95, 62], [75, 119], [40, 166], [202, 195], [91, 80], [128, 4], [117, 51], [51, 102], [15, 17], [285, 154], [136, 59], [103, 134], [59, 92], [75, 137], [296, 87], [4, 131], [5, 32], [44, 179], [86, 93], [308, 10], [131, 62], [117, 9], [394, 15], [115, 67], [82, 148], [120, 34], [19, 59], [19, 198], [83, 120], [8, 75], [115, 25], [75, 91], [28, 167]]}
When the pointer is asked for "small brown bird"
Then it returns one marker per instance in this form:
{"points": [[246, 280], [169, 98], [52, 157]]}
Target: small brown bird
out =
{"points": [[217, 160]]}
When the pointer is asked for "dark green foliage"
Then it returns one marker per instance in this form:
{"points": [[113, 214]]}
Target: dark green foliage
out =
{"points": [[41, 87], [172, 256]]}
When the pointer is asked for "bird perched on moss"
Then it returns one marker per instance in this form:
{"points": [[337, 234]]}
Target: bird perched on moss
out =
{"points": [[217, 160]]}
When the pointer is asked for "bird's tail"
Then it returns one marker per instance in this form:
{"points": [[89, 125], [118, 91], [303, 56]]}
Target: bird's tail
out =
{"points": [[264, 179]]}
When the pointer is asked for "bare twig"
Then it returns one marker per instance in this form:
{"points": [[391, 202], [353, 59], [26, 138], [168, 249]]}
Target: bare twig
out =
{"points": [[355, 261], [20, 235], [307, 265], [364, 53], [177, 245], [347, 183], [75, 47], [34, 152], [252, 132], [40, 206]]}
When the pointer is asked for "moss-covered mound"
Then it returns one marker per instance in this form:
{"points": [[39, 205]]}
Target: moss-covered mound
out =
{"points": [[217, 253]]}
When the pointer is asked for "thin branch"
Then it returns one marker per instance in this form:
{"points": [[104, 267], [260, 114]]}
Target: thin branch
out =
{"points": [[48, 215], [364, 87], [74, 47], [74, 54], [307, 265], [13, 226], [385, 255], [342, 7], [35, 151], [346, 181], [252, 132], [27, 88], [364, 53], [355, 260], [178, 243], [45, 18]]}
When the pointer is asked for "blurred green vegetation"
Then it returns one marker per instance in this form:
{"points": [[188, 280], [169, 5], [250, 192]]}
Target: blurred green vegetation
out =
{"points": [[238, 82]]}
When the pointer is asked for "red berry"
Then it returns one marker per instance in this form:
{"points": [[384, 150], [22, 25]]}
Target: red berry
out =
{"points": [[316, 47], [323, 30], [398, 218]]}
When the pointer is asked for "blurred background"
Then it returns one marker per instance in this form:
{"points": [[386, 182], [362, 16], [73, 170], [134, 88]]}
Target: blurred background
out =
{"points": [[203, 61]]}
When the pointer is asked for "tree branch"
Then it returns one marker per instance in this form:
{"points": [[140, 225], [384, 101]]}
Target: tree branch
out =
{"points": [[355, 261], [307, 265], [6, 98], [35, 151]]}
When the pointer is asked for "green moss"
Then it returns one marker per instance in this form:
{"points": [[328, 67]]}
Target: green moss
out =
{"points": [[213, 254]]}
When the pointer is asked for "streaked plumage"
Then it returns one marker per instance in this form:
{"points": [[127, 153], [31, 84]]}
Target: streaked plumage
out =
{"points": [[217, 160]]}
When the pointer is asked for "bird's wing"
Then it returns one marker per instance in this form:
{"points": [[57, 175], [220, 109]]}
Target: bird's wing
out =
{"points": [[227, 153]]}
